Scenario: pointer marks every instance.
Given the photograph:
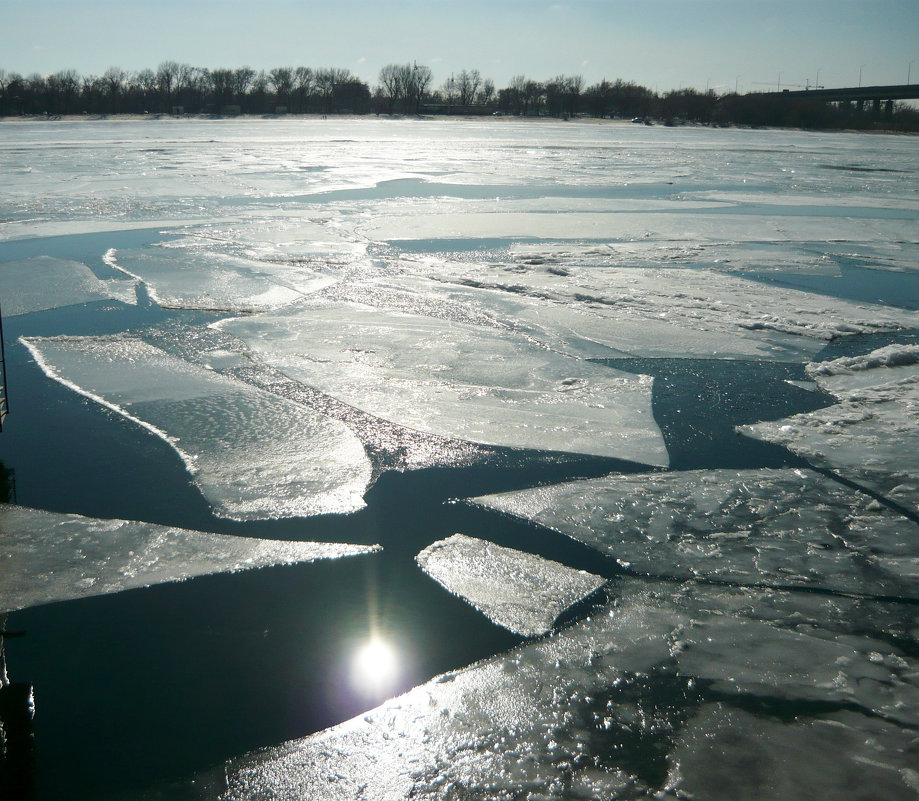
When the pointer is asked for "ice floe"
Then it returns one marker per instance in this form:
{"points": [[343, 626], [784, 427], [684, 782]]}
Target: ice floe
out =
{"points": [[671, 311], [47, 557], [772, 527], [871, 436], [628, 703], [520, 591], [251, 453], [43, 282], [212, 281], [458, 380]]}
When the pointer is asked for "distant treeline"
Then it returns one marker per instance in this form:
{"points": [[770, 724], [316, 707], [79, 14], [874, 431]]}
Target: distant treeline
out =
{"points": [[175, 88]]}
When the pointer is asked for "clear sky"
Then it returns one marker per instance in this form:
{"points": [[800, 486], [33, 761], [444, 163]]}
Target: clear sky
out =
{"points": [[662, 44]]}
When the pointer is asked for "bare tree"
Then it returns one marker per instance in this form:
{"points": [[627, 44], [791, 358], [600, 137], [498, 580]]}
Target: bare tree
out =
{"points": [[282, 81], [467, 85], [304, 82]]}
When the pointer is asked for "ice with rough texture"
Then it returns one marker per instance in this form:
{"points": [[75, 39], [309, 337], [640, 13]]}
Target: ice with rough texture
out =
{"points": [[726, 754], [773, 527], [625, 704], [47, 557], [663, 311], [871, 436], [520, 591], [460, 380], [252, 454], [44, 282]]}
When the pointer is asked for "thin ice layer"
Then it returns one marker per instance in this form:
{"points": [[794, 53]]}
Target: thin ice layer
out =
{"points": [[872, 435], [252, 454], [597, 710], [772, 527], [43, 282], [517, 590], [47, 557], [206, 279], [454, 379]]}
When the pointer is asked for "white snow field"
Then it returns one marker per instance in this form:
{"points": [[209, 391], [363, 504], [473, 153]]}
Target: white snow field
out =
{"points": [[756, 527], [520, 591], [590, 711], [482, 384], [333, 299], [252, 454], [871, 436], [48, 557]]}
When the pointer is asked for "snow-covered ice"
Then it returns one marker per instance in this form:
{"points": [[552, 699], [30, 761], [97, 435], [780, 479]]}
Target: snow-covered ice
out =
{"points": [[454, 379], [871, 436], [520, 591], [252, 454], [47, 557]]}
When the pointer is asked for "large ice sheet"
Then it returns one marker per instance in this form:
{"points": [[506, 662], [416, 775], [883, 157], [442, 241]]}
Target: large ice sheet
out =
{"points": [[41, 283], [772, 527], [202, 279], [872, 435], [454, 379], [46, 557], [520, 591], [620, 706], [251, 453], [667, 311]]}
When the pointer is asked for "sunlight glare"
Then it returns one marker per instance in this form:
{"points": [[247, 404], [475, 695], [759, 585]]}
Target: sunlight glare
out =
{"points": [[375, 666]]}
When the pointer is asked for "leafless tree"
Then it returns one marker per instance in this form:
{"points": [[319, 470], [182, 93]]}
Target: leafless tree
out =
{"points": [[467, 85]]}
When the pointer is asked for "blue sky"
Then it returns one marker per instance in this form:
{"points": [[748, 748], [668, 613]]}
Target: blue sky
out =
{"points": [[662, 44]]}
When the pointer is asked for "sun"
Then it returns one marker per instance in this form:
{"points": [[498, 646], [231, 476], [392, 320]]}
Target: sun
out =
{"points": [[375, 666]]}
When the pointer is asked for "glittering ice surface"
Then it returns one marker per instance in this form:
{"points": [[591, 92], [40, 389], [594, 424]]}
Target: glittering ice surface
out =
{"points": [[46, 557], [872, 435], [252, 454], [520, 591], [628, 704], [434, 289], [773, 527], [455, 379]]}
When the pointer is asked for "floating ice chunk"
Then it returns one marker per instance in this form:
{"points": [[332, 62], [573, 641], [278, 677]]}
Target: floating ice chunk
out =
{"points": [[594, 710], [252, 454], [776, 527], [665, 311], [452, 379], [44, 283], [213, 281], [872, 435], [46, 557], [841, 376], [725, 754], [517, 590]]}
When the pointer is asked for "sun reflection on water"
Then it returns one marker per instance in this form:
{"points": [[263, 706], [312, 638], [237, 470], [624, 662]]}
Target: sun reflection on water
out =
{"points": [[375, 667]]}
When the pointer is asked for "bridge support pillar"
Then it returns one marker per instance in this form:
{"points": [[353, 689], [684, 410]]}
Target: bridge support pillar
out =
{"points": [[888, 109], [876, 107]]}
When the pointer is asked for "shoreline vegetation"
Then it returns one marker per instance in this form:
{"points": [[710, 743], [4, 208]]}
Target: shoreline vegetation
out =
{"points": [[181, 90]]}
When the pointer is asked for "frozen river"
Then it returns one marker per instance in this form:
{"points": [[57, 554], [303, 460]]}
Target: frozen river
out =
{"points": [[461, 459]]}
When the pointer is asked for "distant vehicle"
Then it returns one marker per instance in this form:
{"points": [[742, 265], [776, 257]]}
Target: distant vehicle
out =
{"points": [[637, 120]]}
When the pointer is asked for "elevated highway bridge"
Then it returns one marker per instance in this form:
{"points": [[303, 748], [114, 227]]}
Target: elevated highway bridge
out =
{"points": [[860, 95]]}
